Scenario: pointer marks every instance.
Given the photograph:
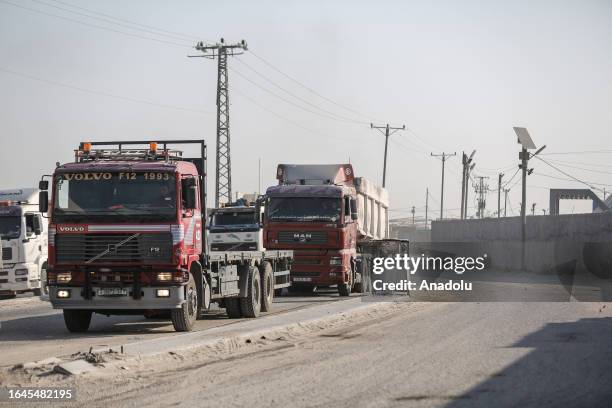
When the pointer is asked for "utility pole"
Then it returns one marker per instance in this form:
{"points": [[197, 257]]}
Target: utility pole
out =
{"points": [[426, 207], [388, 131], [533, 206], [465, 161], [526, 143], [221, 51], [544, 211], [444, 156], [506, 191], [499, 188], [481, 190], [412, 211], [467, 187]]}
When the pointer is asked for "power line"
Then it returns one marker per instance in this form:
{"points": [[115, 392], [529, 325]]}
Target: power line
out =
{"points": [[344, 118], [188, 37], [106, 20], [603, 151], [297, 124], [566, 174], [101, 93], [309, 89], [282, 98], [95, 25]]}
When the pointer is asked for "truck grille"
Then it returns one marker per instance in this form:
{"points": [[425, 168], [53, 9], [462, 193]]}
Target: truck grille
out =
{"points": [[7, 254], [80, 248], [233, 246], [314, 237]]}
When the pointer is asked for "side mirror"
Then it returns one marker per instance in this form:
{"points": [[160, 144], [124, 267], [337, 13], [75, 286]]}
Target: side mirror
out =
{"points": [[354, 214], [43, 185], [43, 201]]}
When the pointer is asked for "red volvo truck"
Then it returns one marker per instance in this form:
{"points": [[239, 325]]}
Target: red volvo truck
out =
{"points": [[322, 213], [126, 237]]}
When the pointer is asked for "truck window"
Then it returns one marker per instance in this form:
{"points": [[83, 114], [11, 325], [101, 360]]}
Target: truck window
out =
{"points": [[10, 227], [304, 209], [147, 196], [233, 218]]}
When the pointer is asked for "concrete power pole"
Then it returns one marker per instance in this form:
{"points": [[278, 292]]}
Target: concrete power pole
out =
{"points": [[506, 191], [221, 51], [412, 211], [465, 161], [533, 206], [388, 131], [499, 188], [444, 156], [426, 207]]}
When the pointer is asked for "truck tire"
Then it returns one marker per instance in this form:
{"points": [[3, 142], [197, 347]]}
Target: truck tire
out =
{"points": [[37, 291], [251, 304], [184, 318], [344, 289], [267, 283], [232, 308], [77, 321]]}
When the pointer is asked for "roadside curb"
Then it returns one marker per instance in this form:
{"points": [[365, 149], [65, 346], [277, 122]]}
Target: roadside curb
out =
{"points": [[229, 337]]}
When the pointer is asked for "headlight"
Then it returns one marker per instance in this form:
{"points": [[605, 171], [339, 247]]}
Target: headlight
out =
{"points": [[335, 261], [63, 293], [21, 272], [164, 276], [64, 277]]}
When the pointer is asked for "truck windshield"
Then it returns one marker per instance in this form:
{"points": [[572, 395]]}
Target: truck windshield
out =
{"points": [[10, 227], [233, 218], [149, 196], [304, 209]]}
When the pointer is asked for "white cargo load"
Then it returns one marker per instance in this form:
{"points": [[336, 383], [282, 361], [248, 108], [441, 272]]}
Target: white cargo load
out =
{"points": [[372, 209]]}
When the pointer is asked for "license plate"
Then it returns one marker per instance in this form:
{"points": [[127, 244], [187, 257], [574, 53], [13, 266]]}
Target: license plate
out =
{"points": [[296, 279], [112, 292]]}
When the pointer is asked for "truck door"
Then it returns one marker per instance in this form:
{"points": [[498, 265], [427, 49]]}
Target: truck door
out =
{"points": [[191, 214], [33, 243]]}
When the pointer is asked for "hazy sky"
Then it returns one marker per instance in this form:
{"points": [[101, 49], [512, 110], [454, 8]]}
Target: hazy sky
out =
{"points": [[458, 74]]}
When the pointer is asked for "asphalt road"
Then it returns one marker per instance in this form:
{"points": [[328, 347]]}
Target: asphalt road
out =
{"points": [[31, 330], [425, 355]]}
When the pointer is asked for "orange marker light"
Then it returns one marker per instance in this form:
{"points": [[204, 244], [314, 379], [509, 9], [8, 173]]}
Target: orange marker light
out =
{"points": [[153, 147], [86, 147]]}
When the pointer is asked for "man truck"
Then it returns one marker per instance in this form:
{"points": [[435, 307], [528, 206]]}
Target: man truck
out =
{"points": [[23, 233], [323, 212], [126, 237]]}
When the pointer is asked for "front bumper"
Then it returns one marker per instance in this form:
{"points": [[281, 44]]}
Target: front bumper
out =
{"points": [[148, 300], [9, 282]]}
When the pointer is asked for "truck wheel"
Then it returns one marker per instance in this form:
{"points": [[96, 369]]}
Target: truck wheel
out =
{"points": [[185, 317], [344, 289], [278, 292], [37, 292], [232, 308], [267, 281], [251, 304], [77, 321]]}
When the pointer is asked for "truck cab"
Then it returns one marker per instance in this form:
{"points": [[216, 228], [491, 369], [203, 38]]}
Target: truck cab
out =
{"points": [[23, 232], [235, 227]]}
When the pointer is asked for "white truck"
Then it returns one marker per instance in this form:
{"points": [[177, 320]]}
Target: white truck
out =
{"points": [[23, 232], [237, 229]]}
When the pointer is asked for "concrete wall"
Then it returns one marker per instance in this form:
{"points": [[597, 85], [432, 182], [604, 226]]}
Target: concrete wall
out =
{"points": [[553, 242]]}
